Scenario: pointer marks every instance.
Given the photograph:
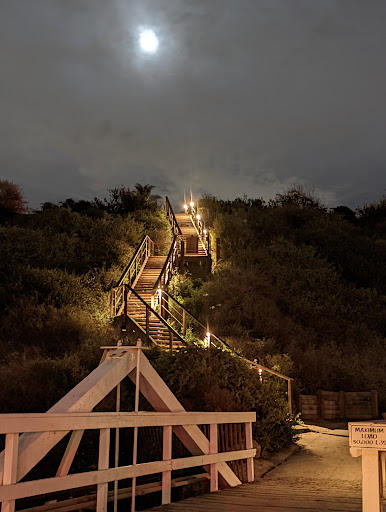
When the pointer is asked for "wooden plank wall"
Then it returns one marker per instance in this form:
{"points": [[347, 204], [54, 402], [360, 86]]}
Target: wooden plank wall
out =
{"points": [[329, 405]]}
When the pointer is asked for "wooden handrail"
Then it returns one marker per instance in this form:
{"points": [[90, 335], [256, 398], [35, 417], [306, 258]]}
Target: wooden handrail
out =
{"points": [[153, 312], [198, 227], [169, 258], [48, 422], [172, 218], [224, 344], [14, 424], [221, 342], [150, 251]]}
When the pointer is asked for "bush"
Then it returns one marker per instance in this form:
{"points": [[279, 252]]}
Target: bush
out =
{"points": [[213, 380]]}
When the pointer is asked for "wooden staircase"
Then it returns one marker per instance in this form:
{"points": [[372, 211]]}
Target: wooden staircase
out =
{"points": [[193, 242], [141, 293], [158, 331]]}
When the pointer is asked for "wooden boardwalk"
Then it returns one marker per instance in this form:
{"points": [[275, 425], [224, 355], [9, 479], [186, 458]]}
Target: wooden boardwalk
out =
{"points": [[273, 496], [321, 476]]}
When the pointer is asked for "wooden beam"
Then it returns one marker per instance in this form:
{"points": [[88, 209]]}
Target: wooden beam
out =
{"points": [[42, 422], [89, 500], [371, 481], [74, 481], [248, 446], [167, 455], [84, 397], [10, 468], [213, 448], [162, 399], [69, 454], [103, 463]]}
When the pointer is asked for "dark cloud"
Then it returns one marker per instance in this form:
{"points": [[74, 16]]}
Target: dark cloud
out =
{"points": [[242, 97]]}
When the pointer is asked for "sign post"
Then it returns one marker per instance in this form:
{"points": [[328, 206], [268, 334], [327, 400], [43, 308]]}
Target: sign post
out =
{"points": [[368, 439]]}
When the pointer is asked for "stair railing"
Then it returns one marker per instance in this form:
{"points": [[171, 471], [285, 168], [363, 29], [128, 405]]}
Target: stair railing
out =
{"points": [[141, 308], [130, 275], [176, 251], [171, 217], [137, 262], [177, 315], [199, 226]]}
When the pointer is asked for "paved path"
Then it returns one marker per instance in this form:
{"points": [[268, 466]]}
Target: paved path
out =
{"points": [[321, 476]]}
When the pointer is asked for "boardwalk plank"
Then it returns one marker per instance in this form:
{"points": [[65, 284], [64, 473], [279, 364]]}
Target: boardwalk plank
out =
{"points": [[255, 497]]}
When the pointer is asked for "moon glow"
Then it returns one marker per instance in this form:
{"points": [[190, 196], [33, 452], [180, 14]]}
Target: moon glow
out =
{"points": [[148, 41]]}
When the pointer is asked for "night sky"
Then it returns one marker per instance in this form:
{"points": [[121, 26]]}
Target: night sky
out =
{"points": [[240, 97]]}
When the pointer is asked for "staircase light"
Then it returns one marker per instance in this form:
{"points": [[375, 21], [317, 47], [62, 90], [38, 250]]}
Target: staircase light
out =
{"points": [[204, 232], [192, 204], [261, 374], [186, 207], [198, 217], [207, 340]]}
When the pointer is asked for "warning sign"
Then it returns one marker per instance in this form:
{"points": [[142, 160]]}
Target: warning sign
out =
{"points": [[367, 435]]}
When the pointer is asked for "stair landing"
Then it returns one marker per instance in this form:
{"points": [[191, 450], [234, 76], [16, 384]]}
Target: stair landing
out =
{"points": [[189, 232]]}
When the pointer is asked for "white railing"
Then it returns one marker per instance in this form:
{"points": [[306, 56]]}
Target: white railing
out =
{"points": [[367, 439], [11, 425]]}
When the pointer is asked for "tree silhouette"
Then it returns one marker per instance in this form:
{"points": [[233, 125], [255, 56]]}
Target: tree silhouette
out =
{"points": [[11, 197], [144, 195]]}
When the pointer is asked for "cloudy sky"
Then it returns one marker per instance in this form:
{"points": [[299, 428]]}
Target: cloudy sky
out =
{"points": [[241, 97]]}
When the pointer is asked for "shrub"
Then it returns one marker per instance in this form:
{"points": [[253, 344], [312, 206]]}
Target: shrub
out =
{"points": [[213, 380]]}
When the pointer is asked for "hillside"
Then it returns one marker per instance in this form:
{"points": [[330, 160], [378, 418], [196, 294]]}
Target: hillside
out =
{"points": [[300, 287]]}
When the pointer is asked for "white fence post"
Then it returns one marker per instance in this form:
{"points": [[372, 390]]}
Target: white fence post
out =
{"points": [[10, 467], [249, 445], [371, 481], [167, 455], [213, 448], [103, 463]]}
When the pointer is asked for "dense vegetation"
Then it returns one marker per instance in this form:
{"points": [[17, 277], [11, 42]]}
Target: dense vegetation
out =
{"points": [[300, 287], [57, 265], [297, 286]]}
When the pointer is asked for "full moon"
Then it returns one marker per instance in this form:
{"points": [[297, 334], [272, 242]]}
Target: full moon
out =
{"points": [[148, 41]]}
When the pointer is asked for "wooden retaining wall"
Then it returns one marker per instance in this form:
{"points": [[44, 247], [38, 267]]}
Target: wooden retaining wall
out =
{"points": [[329, 405]]}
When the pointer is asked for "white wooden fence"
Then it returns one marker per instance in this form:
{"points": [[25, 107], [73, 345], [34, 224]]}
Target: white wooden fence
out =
{"points": [[11, 425]]}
